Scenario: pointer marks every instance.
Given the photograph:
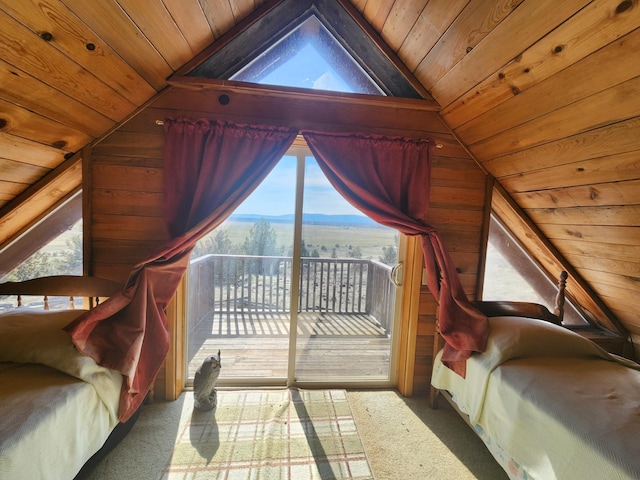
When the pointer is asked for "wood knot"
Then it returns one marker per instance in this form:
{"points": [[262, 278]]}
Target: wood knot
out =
{"points": [[46, 36], [624, 6], [501, 76], [3, 123], [469, 49], [526, 70], [224, 99], [558, 49], [60, 144], [515, 90], [580, 169], [90, 46]]}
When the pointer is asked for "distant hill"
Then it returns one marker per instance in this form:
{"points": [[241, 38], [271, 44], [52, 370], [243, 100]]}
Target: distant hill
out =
{"points": [[310, 218]]}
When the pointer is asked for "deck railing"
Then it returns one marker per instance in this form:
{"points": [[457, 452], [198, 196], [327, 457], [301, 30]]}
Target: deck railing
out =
{"points": [[245, 283]]}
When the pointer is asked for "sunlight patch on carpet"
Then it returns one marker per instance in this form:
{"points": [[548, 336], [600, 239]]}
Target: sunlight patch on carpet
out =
{"points": [[270, 434]]}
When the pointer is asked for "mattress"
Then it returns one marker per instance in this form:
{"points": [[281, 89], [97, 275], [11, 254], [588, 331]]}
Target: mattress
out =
{"points": [[57, 407], [550, 404]]}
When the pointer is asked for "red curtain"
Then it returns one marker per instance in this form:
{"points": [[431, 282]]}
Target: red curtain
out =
{"points": [[388, 179], [209, 168]]}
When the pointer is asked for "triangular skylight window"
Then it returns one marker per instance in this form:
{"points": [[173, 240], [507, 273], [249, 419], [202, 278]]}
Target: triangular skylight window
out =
{"points": [[309, 57]]}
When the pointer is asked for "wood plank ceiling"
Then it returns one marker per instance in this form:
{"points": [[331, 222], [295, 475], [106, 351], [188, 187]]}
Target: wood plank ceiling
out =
{"points": [[545, 95]]}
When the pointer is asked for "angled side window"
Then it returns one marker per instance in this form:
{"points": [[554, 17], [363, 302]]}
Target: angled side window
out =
{"points": [[53, 246], [511, 274]]}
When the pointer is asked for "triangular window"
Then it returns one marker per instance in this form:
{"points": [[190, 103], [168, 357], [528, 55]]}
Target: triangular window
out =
{"points": [[319, 37], [309, 57]]}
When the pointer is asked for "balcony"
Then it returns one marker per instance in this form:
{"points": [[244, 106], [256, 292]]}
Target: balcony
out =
{"points": [[241, 305]]}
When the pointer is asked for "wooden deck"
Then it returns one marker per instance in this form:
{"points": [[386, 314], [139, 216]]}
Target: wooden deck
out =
{"points": [[329, 346]]}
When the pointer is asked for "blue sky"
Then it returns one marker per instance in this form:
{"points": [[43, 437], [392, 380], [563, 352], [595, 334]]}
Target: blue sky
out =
{"points": [[276, 195], [307, 69]]}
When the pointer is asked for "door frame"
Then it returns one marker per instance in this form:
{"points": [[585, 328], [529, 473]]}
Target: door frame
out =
{"points": [[403, 346]]}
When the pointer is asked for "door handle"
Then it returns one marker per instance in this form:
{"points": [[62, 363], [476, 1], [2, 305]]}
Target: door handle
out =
{"points": [[397, 274]]}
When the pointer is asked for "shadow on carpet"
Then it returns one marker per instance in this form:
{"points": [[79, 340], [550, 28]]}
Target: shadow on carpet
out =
{"points": [[402, 437], [280, 434]]}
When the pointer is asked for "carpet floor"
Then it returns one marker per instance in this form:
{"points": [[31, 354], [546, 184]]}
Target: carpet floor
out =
{"points": [[300, 434]]}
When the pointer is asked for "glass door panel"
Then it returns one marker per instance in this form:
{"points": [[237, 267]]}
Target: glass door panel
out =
{"points": [[239, 286], [346, 300]]}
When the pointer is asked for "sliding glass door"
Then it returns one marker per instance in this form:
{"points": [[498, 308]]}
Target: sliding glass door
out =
{"points": [[295, 287]]}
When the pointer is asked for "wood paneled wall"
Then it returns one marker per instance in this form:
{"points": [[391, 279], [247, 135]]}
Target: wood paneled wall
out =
{"points": [[572, 161], [543, 93], [125, 189], [457, 210], [545, 97]]}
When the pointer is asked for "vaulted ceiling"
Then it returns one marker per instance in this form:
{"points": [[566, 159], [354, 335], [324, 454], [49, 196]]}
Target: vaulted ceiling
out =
{"points": [[544, 95]]}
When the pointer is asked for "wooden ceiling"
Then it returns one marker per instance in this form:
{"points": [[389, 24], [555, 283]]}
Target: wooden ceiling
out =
{"points": [[545, 95]]}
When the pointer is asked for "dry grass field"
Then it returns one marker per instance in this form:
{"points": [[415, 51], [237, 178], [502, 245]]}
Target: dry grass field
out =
{"points": [[343, 238]]}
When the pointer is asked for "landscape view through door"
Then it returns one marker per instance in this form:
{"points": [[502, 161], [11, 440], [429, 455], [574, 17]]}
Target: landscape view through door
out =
{"points": [[296, 286]]}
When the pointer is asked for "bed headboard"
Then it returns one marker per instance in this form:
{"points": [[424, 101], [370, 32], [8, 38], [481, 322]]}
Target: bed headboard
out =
{"points": [[526, 309], [70, 286], [517, 309]]}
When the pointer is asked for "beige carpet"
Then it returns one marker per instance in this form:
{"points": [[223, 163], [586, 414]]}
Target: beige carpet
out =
{"points": [[403, 439]]}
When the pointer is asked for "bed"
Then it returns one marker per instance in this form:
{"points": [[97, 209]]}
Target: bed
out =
{"points": [[58, 408], [547, 402]]}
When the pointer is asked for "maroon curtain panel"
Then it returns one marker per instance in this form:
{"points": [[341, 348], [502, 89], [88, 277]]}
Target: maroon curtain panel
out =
{"points": [[209, 169], [388, 179]]}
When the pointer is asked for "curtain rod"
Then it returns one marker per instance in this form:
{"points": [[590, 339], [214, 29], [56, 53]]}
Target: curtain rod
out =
{"points": [[161, 122]]}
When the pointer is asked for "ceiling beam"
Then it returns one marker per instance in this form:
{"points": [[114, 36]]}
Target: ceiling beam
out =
{"points": [[300, 108], [196, 83]]}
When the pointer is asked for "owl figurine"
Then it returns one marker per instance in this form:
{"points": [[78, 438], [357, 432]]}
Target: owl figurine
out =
{"points": [[204, 383]]}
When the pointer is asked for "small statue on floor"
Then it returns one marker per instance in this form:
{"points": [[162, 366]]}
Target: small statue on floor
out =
{"points": [[204, 383]]}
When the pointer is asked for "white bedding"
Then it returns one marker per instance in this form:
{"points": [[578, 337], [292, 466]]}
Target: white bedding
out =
{"points": [[550, 404], [57, 407]]}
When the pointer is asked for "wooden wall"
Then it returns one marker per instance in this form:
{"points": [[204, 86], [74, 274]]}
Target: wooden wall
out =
{"points": [[567, 150], [457, 210], [545, 95], [125, 191], [124, 184]]}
